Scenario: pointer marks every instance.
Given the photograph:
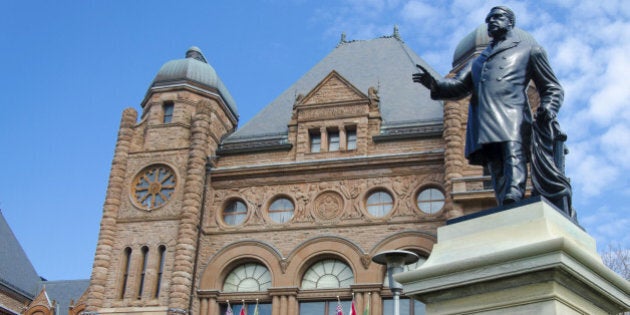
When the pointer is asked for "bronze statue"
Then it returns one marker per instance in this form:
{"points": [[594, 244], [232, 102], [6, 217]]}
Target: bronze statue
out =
{"points": [[499, 128]]}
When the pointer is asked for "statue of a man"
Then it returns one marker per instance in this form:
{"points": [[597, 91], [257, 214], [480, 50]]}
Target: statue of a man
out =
{"points": [[499, 116]]}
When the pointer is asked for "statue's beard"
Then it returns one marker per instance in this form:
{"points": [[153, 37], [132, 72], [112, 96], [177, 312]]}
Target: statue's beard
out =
{"points": [[497, 33]]}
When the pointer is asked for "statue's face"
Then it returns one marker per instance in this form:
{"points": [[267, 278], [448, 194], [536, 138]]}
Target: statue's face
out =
{"points": [[498, 23]]}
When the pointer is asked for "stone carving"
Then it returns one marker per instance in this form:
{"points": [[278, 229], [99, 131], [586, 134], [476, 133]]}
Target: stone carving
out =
{"points": [[328, 205], [366, 259]]}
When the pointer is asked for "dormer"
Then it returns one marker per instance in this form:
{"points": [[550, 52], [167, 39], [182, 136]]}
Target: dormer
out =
{"points": [[332, 120]]}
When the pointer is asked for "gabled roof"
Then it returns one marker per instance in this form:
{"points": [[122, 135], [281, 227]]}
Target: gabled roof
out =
{"points": [[16, 271], [385, 63], [65, 291]]}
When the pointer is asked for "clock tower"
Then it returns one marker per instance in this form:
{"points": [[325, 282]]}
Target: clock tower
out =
{"points": [[148, 241]]}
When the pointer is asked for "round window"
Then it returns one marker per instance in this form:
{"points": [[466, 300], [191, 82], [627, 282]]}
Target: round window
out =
{"points": [[281, 210], [153, 186], [235, 212], [379, 203], [430, 200]]}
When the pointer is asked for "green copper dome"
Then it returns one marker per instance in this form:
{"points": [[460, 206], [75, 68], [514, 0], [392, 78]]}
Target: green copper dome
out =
{"points": [[194, 70], [476, 41]]}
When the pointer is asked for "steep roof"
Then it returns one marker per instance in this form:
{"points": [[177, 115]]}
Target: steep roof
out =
{"points": [[65, 291], [16, 271], [385, 63]]}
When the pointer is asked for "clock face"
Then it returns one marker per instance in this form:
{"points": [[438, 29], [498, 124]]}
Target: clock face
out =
{"points": [[153, 186]]}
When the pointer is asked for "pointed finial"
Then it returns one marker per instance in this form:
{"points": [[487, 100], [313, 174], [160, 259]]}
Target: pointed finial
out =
{"points": [[195, 53], [342, 40], [396, 33]]}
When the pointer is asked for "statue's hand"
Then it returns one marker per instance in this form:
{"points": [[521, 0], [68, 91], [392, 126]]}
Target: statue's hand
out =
{"points": [[424, 77]]}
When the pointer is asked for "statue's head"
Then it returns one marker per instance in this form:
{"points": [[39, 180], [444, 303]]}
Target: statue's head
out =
{"points": [[500, 20]]}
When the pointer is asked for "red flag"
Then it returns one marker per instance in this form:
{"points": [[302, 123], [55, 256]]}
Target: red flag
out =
{"points": [[353, 311]]}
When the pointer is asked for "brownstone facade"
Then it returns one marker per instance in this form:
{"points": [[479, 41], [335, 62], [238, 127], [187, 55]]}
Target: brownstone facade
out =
{"points": [[187, 213]]}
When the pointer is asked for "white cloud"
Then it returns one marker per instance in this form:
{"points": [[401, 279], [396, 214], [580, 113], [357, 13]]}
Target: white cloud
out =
{"points": [[607, 225], [588, 42]]}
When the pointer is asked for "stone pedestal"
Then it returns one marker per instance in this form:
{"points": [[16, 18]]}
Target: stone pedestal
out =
{"points": [[526, 260]]}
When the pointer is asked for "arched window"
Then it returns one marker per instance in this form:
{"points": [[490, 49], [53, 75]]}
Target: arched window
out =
{"points": [[162, 250], [143, 270], [125, 269], [328, 273], [379, 203], [249, 277]]}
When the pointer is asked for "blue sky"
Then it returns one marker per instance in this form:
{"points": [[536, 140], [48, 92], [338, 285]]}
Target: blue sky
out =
{"points": [[71, 67]]}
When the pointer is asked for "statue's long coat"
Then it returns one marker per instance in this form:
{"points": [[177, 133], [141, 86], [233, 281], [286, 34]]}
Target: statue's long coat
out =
{"points": [[499, 109]]}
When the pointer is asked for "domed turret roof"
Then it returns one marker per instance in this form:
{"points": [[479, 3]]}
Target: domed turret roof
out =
{"points": [[194, 68], [476, 41]]}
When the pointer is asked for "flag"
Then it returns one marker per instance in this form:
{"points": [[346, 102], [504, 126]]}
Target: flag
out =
{"points": [[229, 309], [367, 307], [243, 309], [353, 311], [256, 308], [339, 309]]}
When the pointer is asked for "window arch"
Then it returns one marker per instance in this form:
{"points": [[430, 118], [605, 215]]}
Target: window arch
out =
{"points": [[328, 273], [248, 277]]}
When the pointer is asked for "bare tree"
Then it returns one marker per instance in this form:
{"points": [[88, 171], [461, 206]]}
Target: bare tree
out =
{"points": [[617, 259]]}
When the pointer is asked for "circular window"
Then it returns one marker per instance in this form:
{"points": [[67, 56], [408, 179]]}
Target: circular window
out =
{"points": [[250, 277], [430, 200], [281, 210], [153, 186], [326, 274], [235, 212], [379, 203]]}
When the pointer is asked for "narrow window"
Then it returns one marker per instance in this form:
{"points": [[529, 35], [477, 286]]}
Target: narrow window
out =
{"points": [[333, 140], [143, 270], [125, 269], [316, 141], [162, 250], [168, 112], [351, 139]]}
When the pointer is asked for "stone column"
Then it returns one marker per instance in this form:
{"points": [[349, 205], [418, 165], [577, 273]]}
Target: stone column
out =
{"points": [[186, 247], [275, 305], [343, 139], [454, 153], [102, 258], [203, 308], [293, 305], [324, 140], [376, 305]]}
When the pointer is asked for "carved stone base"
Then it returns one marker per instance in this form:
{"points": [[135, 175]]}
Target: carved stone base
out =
{"points": [[526, 260]]}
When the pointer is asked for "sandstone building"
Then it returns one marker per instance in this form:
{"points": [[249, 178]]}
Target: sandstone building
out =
{"points": [[287, 210]]}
